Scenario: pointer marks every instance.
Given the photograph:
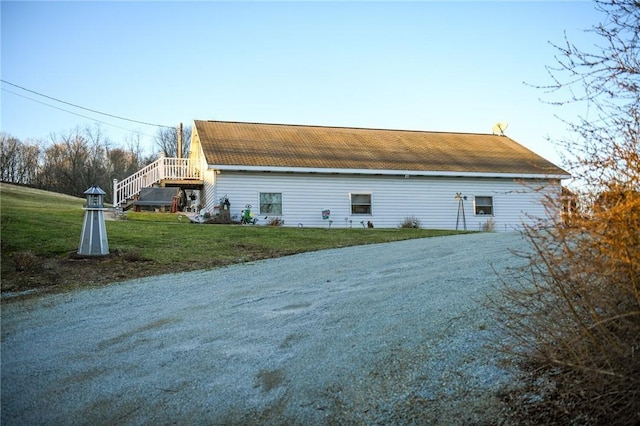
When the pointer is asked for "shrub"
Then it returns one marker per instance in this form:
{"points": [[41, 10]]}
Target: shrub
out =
{"points": [[574, 311], [411, 222], [275, 221], [25, 261], [489, 225], [133, 256]]}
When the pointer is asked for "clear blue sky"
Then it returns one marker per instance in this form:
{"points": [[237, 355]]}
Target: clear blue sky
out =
{"points": [[442, 66]]}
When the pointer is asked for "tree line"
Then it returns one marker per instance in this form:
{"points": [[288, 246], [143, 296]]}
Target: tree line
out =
{"points": [[73, 161]]}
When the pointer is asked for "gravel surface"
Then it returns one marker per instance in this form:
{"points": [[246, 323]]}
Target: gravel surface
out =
{"points": [[378, 334]]}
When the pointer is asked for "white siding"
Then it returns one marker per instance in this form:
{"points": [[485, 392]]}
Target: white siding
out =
{"points": [[209, 196], [430, 199]]}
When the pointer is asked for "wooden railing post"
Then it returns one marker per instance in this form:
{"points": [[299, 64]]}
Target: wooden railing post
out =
{"points": [[161, 161]]}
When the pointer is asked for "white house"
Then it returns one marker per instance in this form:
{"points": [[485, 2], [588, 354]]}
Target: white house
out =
{"points": [[360, 176]]}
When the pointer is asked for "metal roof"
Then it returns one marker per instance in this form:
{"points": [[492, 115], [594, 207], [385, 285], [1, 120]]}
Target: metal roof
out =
{"points": [[94, 190]]}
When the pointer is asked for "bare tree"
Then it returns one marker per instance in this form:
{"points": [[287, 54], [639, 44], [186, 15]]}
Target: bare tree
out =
{"points": [[19, 161], [71, 162], [75, 161], [96, 169], [30, 168], [167, 141], [574, 312], [10, 148], [65, 164], [606, 80], [122, 163]]}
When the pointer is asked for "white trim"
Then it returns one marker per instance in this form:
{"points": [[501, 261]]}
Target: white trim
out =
{"points": [[404, 173], [260, 192], [475, 205], [370, 194]]}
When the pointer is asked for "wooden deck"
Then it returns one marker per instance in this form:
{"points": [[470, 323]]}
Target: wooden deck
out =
{"points": [[165, 172]]}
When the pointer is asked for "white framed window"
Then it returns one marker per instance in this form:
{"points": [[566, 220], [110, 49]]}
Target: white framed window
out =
{"points": [[271, 203], [360, 203], [483, 205]]}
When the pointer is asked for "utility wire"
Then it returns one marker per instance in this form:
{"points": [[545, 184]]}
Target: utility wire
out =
{"points": [[86, 109], [75, 113]]}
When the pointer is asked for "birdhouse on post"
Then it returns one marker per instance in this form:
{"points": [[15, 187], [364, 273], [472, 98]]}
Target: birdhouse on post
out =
{"points": [[93, 241]]}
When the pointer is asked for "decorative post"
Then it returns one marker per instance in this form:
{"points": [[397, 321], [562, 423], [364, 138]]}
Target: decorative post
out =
{"points": [[93, 241]]}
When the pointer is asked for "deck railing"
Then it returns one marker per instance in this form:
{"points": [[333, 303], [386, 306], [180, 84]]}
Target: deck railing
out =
{"points": [[161, 169]]}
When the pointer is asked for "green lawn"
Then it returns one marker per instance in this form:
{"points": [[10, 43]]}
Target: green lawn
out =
{"points": [[49, 226]]}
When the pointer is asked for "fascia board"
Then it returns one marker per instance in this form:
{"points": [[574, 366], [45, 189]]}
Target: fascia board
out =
{"points": [[242, 168]]}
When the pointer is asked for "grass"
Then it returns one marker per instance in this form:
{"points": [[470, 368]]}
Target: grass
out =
{"points": [[39, 221], [48, 226]]}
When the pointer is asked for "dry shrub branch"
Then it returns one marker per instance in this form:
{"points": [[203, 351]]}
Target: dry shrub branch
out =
{"points": [[573, 310]]}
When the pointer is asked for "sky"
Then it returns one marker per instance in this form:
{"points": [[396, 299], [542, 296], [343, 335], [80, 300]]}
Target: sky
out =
{"points": [[422, 65]]}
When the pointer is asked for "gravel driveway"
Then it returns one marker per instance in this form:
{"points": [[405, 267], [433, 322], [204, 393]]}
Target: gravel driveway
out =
{"points": [[377, 334]]}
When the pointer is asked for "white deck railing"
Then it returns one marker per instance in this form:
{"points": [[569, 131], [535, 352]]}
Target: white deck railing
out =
{"points": [[161, 169]]}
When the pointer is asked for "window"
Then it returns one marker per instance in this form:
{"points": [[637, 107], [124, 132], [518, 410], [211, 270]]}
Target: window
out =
{"points": [[484, 205], [271, 203], [360, 203]]}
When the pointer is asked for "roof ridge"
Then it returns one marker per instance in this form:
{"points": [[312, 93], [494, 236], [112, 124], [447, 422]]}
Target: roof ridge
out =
{"points": [[351, 128]]}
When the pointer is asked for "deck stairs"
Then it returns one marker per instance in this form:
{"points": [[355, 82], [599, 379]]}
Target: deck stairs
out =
{"points": [[165, 171]]}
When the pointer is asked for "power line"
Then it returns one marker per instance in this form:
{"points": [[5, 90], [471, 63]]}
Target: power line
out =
{"points": [[75, 113], [86, 109]]}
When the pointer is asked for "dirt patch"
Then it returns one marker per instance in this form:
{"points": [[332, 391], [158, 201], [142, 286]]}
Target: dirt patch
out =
{"points": [[269, 379], [48, 274]]}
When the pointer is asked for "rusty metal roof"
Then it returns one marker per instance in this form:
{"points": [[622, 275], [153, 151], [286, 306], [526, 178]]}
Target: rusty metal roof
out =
{"points": [[318, 147]]}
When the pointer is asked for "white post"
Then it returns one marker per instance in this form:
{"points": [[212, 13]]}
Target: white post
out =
{"points": [[161, 166], [115, 200]]}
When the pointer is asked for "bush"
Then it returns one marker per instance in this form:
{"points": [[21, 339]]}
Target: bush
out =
{"points": [[25, 261], [489, 225], [575, 312], [134, 256], [275, 221], [411, 222]]}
